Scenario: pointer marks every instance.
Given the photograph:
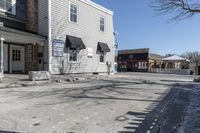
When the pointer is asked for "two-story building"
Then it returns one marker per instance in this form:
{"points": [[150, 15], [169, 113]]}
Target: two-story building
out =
{"points": [[20, 41], [84, 30], [135, 60], [138, 60], [68, 36]]}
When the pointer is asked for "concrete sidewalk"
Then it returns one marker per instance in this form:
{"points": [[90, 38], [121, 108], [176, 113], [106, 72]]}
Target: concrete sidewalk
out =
{"points": [[22, 80]]}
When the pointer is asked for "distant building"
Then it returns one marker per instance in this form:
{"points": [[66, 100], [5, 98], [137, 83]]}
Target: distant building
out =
{"points": [[174, 65], [155, 61], [176, 62], [138, 60]]}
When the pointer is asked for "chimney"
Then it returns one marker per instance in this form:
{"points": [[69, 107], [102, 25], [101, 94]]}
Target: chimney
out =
{"points": [[32, 15]]}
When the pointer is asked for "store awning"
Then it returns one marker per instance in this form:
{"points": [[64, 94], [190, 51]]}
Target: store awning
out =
{"points": [[21, 37], [103, 47], [74, 42]]}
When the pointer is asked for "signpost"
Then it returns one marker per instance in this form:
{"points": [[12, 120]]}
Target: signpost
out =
{"points": [[58, 48]]}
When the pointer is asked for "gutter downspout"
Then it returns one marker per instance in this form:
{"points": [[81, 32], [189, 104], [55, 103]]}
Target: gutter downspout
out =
{"points": [[49, 36]]}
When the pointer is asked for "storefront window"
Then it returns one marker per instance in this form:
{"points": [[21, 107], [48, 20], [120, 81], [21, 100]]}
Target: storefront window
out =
{"points": [[102, 56], [16, 55], [73, 54]]}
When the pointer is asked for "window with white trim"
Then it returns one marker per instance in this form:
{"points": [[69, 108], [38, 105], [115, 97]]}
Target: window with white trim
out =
{"points": [[16, 55], [73, 12], [8, 6], [102, 24], [102, 56], [73, 54]]}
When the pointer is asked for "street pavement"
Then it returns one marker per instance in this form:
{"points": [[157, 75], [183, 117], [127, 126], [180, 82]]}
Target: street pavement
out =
{"points": [[124, 103]]}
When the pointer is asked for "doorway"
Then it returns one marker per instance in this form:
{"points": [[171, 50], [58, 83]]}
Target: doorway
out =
{"points": [[17, 59]]}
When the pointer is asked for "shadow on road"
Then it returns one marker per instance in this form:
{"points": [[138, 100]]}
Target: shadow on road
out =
{"points": [[162, 117], [165, 113], [112, 90], [1, 131]]}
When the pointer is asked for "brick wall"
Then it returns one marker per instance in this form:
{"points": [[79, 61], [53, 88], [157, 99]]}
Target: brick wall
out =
{"points": [[32, 15], [31, 58]]}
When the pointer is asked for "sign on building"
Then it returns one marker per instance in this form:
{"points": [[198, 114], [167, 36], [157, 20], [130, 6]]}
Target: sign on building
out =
{"points": [[90, 52], [58, 47]]}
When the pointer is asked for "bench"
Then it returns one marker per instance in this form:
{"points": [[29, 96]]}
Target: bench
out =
{"points": [[39, 75]]}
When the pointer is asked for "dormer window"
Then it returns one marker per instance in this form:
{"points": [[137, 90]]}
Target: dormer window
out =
{"points": [[8, 6]]}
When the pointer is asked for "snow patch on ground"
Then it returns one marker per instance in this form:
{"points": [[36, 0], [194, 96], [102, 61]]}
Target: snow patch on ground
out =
{"points": [[191, 122]]}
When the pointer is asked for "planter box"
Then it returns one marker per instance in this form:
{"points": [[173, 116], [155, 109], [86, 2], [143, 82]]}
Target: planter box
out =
{"points": [[39, 75]]}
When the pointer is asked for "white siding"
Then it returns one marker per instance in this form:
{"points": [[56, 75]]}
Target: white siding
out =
{"points": [[88, 29]]}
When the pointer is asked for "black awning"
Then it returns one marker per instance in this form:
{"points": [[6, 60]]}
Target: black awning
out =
{"points": [[103, 47], [74, 42]]}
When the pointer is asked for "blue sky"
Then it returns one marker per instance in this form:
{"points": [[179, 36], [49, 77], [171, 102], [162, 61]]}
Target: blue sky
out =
{"points": [[139, 27]]}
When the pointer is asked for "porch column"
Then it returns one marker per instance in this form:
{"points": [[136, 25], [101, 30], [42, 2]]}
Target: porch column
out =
{"points": [[1, 58]]}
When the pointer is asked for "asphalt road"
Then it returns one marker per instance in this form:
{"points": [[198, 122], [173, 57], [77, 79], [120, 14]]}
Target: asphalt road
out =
{"points": [[124, 103]]}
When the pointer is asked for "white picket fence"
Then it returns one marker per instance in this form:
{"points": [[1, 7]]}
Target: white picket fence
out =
{"points": [[171, 71]]}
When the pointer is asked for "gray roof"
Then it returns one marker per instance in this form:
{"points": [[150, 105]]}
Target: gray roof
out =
{"points": [[155, 56], [134, 51], [175, 58], [15, 31]]}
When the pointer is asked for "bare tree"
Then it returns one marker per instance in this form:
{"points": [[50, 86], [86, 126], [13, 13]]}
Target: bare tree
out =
{"points": [[168, 55], [180, 8], [194, 58]]}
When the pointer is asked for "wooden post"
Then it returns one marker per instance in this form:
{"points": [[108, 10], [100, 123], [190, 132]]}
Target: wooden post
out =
{"points": [[1, 62]]}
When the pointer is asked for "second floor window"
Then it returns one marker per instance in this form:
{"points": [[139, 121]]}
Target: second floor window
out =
{"points": [[73, 13], [102, 24], [8, 6]]}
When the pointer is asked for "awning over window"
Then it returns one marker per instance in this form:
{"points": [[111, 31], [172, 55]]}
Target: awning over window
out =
{"points": [[74, 42], [103, 47]]}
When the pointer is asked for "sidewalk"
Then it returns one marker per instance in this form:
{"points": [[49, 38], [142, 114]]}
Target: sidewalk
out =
{"points": [[22, 80]]}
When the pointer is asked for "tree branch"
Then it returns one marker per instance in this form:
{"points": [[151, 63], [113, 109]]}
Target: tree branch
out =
{"points": [[180, 8]]}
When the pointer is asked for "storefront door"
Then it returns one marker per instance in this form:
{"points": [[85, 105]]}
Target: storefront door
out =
{"points": [[17, 59]]}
